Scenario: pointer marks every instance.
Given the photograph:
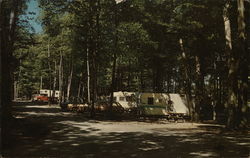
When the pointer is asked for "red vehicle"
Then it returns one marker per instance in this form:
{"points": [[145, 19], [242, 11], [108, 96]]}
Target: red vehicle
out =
{"points": [[40, 98]]}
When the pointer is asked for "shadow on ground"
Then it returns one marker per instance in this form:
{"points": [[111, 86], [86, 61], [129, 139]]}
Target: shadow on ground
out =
{"points": [[43, 131]]}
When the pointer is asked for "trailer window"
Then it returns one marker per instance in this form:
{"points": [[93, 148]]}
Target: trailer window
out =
{"points": [[122, 98], [150, 100]]}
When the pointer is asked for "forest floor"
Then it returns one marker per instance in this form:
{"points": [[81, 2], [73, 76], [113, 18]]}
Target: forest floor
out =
{"points": [[46, 131]]}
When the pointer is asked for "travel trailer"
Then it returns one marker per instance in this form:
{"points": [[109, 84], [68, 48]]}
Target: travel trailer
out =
{"points": [[49, 93], [162, 104], [44, 95], [126, 99]]}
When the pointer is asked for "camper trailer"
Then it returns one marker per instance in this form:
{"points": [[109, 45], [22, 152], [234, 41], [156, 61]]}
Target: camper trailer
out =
{"points": [[49, 93], [126, 99], [44, 95], [153, 104], [162, 104]]}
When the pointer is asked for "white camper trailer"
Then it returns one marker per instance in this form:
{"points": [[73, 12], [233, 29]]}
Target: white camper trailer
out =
{"points": [[49, 93], [126, 99], [162, 104]]}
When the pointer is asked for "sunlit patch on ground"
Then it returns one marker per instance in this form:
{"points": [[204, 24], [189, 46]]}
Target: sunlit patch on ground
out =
{"points": [[203, 154]]}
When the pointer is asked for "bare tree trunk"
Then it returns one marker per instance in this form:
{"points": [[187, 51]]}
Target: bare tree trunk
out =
{"points": [[69, 82], [8, 26], [187, 80], [50, 80], [198, 90], [93, 83], [113, 78], [114, 62], [1, 72], [233, 64], [8, 21], [54, 83], [243, 109], [88, 76], [60, 78]]}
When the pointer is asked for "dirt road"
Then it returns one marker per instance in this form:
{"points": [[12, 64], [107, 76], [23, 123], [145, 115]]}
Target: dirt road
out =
{"points": [[45, 131]]}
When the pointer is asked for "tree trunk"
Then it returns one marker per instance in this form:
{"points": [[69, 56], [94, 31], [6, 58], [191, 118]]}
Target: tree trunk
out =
{"points": [[114, 64], [243, 108], [94, 45], [93, 83], [233, 64], [8, 21], [50, 76], [54, 83], [113, 80], [199, 95], [187, 88], [1, 72], [69, 81], [8, 26], [60, 78], [88, 76]]}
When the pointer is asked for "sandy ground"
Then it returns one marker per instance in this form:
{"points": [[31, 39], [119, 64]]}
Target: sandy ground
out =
{"points": [[45, 131]]}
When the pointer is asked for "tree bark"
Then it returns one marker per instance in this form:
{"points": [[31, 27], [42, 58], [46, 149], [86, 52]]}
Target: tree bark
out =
{"points": [[69, 81], [8, 26], [199, 95], [187, 88], [114, 64], [54, 83], [243, 108], [61, 78], [1, 74], [233, 64], [88, 76], [113, 80], [50, 76]]}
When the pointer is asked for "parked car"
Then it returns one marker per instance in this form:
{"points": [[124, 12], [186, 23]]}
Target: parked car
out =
{"points": [[40, 98]]}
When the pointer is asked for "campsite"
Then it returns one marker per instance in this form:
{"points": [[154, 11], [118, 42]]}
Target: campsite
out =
{"points": [[124, 78]]}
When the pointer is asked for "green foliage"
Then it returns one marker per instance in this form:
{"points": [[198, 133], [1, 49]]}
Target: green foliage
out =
{"points": [[144, 35]]}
